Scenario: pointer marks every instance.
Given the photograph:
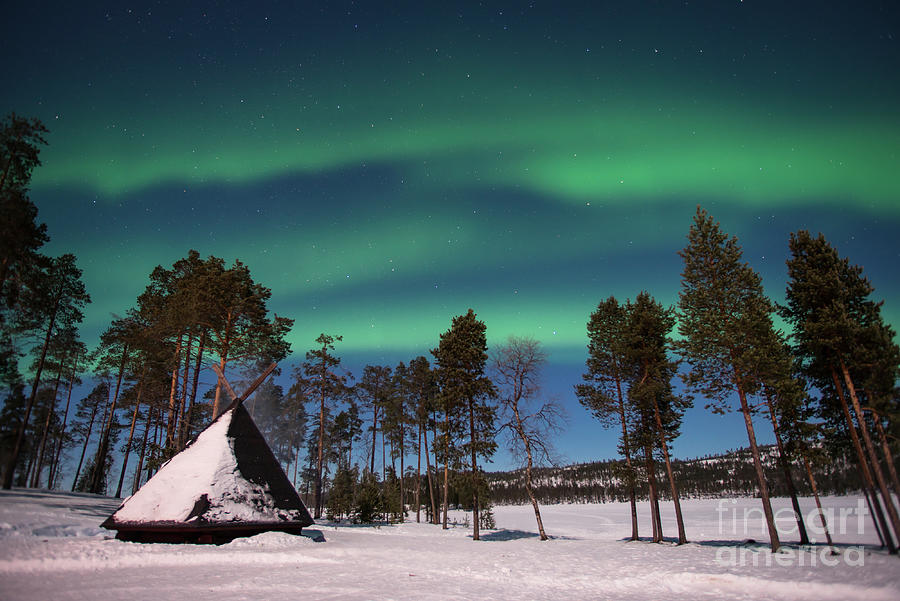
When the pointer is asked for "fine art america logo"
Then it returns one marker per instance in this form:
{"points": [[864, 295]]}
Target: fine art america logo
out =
{"points": [[749, 520]]}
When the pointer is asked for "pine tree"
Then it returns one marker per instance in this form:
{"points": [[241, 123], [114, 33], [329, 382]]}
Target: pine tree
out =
{"points": [[295, 413], [238, 321], [57, 301], [340, 497], [398, 421], [327, 387], [20, 142], [375, 391], [95, 478], [117, 345], [645, 347], [79, 352], [391, 505], [721, 306], [602, 390], [20, 138], [85, 417], [62, 349], [420, 388], [367, 505], [201, 306], [877, 368], [22, 268], [344, 430], [461, 357], [132, 399], [169, 310], [835, 329]]}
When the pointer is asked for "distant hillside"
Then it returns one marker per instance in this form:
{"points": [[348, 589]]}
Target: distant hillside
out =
{"points": [[728, 474]]}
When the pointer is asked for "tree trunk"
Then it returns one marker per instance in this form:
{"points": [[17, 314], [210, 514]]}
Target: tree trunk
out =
{"points": [[349, 452], [627, 452], [173, 415], [682, 537], [137, 472], [187, 424], [182, 404], [879, 522], [51, 410], [321, 454], [134, 416], [475, 524], [20, 435], [93, 485], [310, 467], [815, 491], [863, 465], [32, 460], [652, 494], [402, 465], [296, 463], [154, 450], [434, 511], [374, 434], [103, 448], [786, 469], [225, 345], [54, 467], [87, 438], [529, 486], [419, 476], [434, 443], [757, 463], [888, 457], [870, 449], [446, 502]]}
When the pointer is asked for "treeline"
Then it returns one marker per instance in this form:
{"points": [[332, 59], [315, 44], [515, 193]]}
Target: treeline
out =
{"points": [[143, 406], [41, 303], [828, 389], [730, 474], [426, 425], [419, 430], [415, 436], [347, 444]]}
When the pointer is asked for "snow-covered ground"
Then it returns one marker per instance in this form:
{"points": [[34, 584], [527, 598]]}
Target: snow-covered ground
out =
{"points": [[51, 547]]}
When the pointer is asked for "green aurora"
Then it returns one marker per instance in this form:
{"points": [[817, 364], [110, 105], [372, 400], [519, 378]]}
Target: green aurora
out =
{"points": [[569, 143], [382, 170]]}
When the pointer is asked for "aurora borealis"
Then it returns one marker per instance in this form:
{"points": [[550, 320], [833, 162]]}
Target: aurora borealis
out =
{"points": [[383, 169]]}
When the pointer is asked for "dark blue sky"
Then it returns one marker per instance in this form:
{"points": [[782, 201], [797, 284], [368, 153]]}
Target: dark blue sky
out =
{"points": [[384, 169]]}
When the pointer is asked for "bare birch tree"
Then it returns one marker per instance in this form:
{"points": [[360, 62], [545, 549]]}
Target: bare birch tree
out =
{"points": [[531, 424]]}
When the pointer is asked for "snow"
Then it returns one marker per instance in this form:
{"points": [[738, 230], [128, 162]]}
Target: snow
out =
{"points": [[208, 466], [51, 547]]}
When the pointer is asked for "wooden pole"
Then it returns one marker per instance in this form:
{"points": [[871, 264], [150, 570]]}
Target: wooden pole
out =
{"points": [[237, 400]]}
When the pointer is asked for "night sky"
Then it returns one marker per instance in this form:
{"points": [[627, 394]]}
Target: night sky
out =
{"points": [[384, 169]]}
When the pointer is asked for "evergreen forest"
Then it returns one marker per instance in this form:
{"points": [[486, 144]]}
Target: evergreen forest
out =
{"points": [[411, 440]]}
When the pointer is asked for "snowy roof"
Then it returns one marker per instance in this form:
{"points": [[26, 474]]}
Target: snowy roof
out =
{"points": [[227, 476]]}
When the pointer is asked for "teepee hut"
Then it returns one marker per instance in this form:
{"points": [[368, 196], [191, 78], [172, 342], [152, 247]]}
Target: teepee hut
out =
{"points": [[225, 484]]}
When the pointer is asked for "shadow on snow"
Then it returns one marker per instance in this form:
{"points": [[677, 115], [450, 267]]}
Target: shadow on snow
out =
{"points": [[507, 535]]}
